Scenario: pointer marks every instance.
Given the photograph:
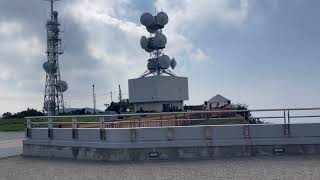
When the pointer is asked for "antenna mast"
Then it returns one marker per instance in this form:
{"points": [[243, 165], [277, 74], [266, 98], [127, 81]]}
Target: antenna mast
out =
{"points": [[94, 99], [54, 87], [158, 63], [120, 94]]}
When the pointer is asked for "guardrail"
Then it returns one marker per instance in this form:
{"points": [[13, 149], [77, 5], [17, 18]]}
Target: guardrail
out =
{"points": [[284, 116]]}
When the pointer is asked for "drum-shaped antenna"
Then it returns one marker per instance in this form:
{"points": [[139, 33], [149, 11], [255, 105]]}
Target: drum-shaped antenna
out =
{"points": [[164, 62], [50, 68], [144, 42], [62, 86], [152, 65], [151, 29], [147, 19], [162, 18], [160, 40], [173, 63]]}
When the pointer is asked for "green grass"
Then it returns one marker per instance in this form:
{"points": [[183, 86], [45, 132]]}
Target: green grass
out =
{"points": [[12, 125]]}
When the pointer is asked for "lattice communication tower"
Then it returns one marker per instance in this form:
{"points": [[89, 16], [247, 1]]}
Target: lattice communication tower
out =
{"points": [[54, 87]]}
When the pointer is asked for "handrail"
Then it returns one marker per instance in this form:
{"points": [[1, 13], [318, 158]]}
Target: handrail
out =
{"points": [[176, 113], [188, 118]]}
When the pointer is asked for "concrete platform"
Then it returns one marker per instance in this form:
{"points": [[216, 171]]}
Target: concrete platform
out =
{"points": [[255, 168], [11, 144]]}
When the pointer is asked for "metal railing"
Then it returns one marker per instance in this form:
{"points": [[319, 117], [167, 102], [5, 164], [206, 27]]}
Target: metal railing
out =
{"points": [[216, 117]]}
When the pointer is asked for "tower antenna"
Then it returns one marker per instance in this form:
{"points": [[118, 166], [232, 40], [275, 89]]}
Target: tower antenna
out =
{"points": [[120, 94], [54, 88], [158, 63], [111, 96], [94, 99]]}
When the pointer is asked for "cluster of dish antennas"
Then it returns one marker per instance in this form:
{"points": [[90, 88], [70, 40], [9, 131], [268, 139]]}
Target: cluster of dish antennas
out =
{"points": [[158, 62], [51, 69]]}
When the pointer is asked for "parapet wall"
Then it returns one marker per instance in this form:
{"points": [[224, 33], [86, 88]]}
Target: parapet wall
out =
{"points": [[173, 142]]}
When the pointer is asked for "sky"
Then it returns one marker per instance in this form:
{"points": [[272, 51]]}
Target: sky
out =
{"points": [[263, 53]]}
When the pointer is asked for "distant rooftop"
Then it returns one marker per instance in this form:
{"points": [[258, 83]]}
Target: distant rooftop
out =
{"points": [[218, 99]]}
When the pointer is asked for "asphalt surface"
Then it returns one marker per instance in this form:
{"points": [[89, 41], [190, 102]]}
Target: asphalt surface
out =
{"points": [[273, 168], [10, 144]]}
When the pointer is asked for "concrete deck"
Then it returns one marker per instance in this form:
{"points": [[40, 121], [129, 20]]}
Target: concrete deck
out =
{"points": [[11, 143], [257, 168]]}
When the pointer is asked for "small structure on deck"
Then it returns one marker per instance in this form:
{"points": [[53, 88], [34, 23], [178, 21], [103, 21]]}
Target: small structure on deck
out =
{"points": [[218, 101]]}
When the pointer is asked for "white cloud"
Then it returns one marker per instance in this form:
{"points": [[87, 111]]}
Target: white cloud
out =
{"points": [[20, 55], [199, 56]]}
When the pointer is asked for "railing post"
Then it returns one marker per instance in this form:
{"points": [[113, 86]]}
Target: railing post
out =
{"points": [[74, 123], [288, 125], [50, 132], [245, 117], [28, 133], [246, 131], [206, 115], [208, 132], [175, 119], [74, 128], [133, 133], [170, 132], [102, 129], [102, 123]]}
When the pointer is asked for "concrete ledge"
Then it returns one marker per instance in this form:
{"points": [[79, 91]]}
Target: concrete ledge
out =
{"points": [[165, 153], [173, 142]]}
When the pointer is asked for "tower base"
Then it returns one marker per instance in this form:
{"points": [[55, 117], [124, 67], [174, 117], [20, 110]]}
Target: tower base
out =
{"points": [[158, 93]]}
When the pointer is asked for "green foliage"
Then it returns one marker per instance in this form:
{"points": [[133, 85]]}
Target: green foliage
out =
{"points": [[77, 112], [247, 115], [122, 106], [22, 114]]}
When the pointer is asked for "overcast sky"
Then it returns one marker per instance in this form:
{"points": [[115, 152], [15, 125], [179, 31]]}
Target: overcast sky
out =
{"points": [[264, 53]]}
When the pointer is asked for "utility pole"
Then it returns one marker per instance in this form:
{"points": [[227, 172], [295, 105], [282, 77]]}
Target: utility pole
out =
{"points": [[120, 100], [120, 94], [111, 96], [94, 100]]}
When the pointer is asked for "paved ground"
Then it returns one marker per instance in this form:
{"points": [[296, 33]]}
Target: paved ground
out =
{"points": [[273, 168], [10, 143]]}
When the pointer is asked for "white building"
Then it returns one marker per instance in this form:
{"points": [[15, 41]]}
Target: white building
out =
{"points": [[158, 93], [218, 101]]}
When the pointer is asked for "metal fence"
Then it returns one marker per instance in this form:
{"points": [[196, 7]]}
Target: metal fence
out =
{"points": [[217, 117]]}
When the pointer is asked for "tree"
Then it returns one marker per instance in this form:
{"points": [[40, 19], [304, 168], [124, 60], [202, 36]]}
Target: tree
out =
{"points": [[7, 115], [123, 106], [22, 114], [247, 114]]}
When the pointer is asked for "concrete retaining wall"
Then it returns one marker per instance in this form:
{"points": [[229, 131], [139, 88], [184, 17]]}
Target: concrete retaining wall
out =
{"points": [[173, 142]]}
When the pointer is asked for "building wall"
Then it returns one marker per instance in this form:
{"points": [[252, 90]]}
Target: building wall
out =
{"points": [[157, 106], [158, 88], [217, 105]]}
